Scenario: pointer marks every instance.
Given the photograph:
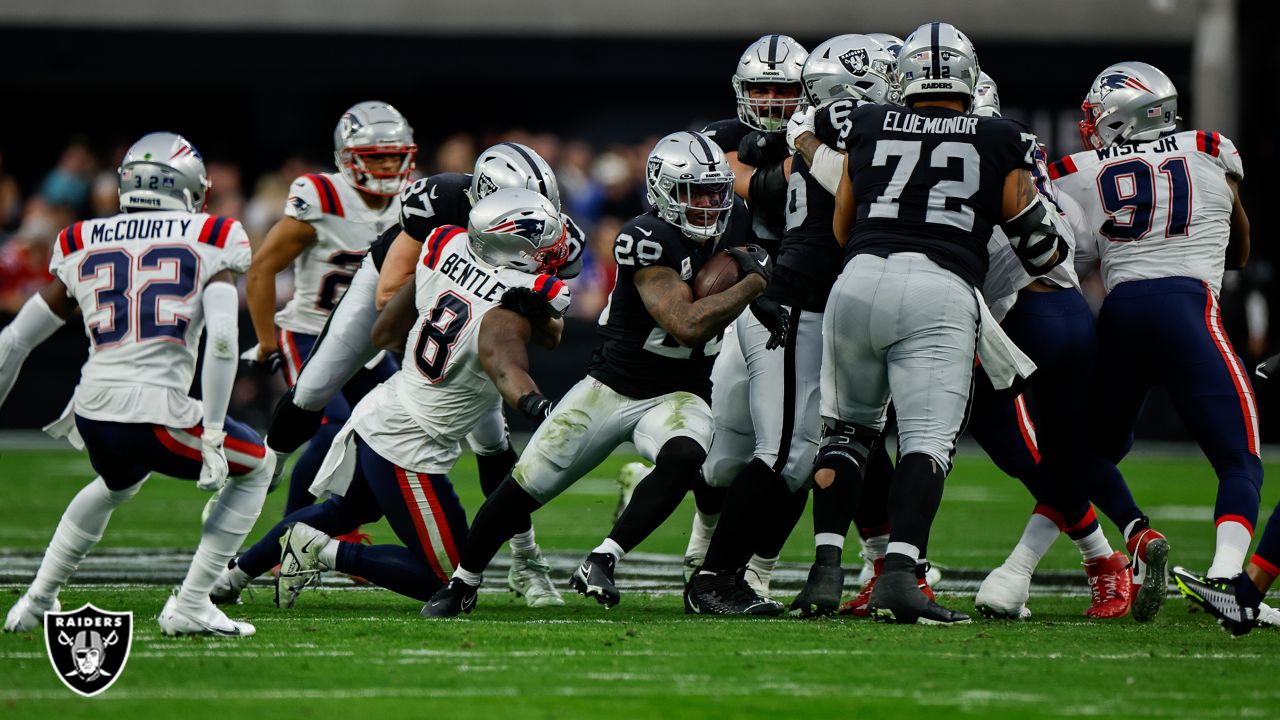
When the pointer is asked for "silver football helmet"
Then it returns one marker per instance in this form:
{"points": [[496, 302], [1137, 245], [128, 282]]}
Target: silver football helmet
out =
{"points": [[848, 66], [937, 59], [517, 228], [163, 171], [691, 184], [893, 44], [771, 60], [512, 165], [986, 98], [370, 129], [1128, 102]]}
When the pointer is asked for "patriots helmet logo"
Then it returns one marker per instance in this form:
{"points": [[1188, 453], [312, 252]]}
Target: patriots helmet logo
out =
{"points": [[529, 228], [855, 61], [1115, 81]]}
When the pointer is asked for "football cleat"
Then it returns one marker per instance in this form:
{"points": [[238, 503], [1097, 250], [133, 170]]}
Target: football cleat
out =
{"points": [[594, 579], [1003, 594], [300, 563], [230, 583], [1150, 552], [857, 607], [176, 621], [628, 478], [452, 600], [1268, 615], [821, 593], [1110, 586], [925, 571], [726, 593], [897, 598], [28, 613], [530, 578], [1221, 598]]}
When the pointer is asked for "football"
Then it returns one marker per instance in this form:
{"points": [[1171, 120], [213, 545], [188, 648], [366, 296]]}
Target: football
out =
{"points": [[719, 274]]}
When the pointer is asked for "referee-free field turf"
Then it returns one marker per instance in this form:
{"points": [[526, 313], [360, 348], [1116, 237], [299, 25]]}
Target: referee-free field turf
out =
{"points": [[352, 652]]}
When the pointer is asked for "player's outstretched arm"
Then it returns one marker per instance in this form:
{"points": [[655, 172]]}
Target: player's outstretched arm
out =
{"points": [[397, 268], [846, 207], [40, 317], [692, 323], [1031, 224], [1238, 242], [286, 240], [397, 318], [221, 304], [503, 343]]}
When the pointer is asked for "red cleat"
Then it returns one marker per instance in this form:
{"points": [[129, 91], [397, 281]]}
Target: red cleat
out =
{"points": [[922, 571], [357, 537], [857, 607], [1150, 552], [1111, 585]]}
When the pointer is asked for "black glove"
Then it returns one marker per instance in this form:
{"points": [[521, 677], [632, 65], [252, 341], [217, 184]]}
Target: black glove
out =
{"points": [[774, 318], [752, 259], [524, 301], [535, 406], [760, 149], [271, 365], [1268, 368]]}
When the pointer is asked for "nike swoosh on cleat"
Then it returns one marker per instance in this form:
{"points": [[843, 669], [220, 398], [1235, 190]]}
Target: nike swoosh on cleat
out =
{"points": [[468, 603]]}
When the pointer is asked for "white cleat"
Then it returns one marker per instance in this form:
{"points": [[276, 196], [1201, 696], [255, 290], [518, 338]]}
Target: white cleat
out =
{"points": [[628, 478], [176, 621], [300, 563], [1004, 595], [1268, 615], [933, 576], [28, 613], [530, 578]]}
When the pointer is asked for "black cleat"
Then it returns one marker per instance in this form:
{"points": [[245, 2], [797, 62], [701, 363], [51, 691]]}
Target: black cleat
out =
{"points": [[1220, 597], [594, 579], [725, 593], [821, 593], [452, 600], [897, 598]]}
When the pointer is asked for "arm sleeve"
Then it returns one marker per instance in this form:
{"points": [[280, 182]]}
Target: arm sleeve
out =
{"points": [[221, 351], [33, 325], [826, 168]]}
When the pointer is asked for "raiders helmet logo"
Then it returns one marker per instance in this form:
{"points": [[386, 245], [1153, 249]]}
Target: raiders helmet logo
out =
{"points": [[655, 168], [855, 61], [88, 647]]}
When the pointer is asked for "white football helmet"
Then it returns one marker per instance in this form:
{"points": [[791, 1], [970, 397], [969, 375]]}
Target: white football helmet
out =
{"points": [[937, 59], [517, 228], [1128, 102], [848, 66], [368, 129], [163, 171], [771, 60], [691, 184]]}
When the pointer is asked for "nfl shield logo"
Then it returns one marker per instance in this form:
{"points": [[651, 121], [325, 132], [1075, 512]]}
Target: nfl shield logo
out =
{"points": [[88, 647]]}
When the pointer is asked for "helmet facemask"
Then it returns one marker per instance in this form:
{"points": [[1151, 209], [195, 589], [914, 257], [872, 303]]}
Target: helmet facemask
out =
{"points": [[699, 208], [768, 105], [360, 165]]}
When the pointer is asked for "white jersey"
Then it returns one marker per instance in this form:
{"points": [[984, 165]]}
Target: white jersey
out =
{"points": [[1005, 274], [1156, 209], [139, 279], [417, 418], [345, 227]]}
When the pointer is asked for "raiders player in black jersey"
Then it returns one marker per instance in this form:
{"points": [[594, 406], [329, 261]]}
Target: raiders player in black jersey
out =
{"points": [[927, 182], [649, 381], [344, 345]]}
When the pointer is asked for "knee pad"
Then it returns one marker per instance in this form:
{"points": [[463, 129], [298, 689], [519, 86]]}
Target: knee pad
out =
{"points": [[291, 426], [485, 446], [845, 447], [683, 454]]}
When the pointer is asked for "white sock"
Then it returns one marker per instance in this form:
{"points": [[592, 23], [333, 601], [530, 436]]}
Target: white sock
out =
{"points": [[522, 543], [468, 577], [700, 534], [1037, 538], [1233, 544], [224, 532], [874, 547], [763, 566], [1094, 545], [609, 547], [329, 554], [901, 548], [821, 539], [80, 528]]}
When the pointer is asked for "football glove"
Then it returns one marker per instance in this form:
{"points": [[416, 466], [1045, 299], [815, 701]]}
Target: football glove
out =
{"points": [[774, 318], [213, 460], [526, 302], [1268, 368], [752, 259], [535, 406], [270, 365], [800, 123], [761, 149]]}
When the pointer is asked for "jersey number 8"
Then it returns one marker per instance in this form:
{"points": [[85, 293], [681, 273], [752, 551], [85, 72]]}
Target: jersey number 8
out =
{"points": [[440, 329]]}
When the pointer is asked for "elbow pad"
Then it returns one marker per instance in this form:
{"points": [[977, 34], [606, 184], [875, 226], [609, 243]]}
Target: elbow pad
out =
{"points": [[769, 186], [1035, 237], [221, 303]]}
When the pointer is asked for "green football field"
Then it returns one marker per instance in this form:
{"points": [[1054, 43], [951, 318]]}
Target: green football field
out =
{"points": [[363, 652]]}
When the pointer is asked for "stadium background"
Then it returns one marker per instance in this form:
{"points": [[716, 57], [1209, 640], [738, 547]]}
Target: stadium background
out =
{"points": [[258, 86]]}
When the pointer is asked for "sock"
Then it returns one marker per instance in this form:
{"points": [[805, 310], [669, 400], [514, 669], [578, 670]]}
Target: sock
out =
{"points": [[674, 472], [709, 500], [755, 491], [780, 521], [468, 577], [498, 519], [609, 547], [81, 527], [331, 517], [1232, 547], [828, 555], [522, 543], [1037, 537], [228, 524], [913, 502], [762, 566], [833, 509], [901, 557], [1094, 545], [493, 468], [874, 547]]}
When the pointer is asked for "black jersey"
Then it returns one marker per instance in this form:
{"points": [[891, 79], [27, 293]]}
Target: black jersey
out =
{"points": [[810, 258], [637, 358], [768, 224], [931, 180]]}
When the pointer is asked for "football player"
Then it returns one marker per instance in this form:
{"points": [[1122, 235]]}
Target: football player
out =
{"points": [[392, 457], [927, 183], [648, 382], [344, 346], [1164, 207], [330, 221], [148, 282]]}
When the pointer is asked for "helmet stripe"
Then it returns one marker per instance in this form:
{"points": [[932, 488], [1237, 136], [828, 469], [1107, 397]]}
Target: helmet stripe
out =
{"points": [[773, 53], [934, 32], [710, 162], [542, 183]]}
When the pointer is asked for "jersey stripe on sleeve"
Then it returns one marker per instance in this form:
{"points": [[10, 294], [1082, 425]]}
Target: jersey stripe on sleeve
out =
{"points": [[216, 230], [1208, 142], [71, 239], [436, 242], [1058, 168], [330, 204]]}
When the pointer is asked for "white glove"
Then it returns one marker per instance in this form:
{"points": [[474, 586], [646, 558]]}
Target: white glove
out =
{"points": [[800, 123], [214, 470]]}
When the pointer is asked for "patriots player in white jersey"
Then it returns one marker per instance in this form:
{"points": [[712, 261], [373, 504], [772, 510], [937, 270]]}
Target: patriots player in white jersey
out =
{"points": [[330, 221], [149, 281], [392, 457], [1164, 210]]}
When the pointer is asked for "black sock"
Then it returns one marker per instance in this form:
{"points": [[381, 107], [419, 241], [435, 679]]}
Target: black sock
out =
{"points": [[779, 523], [754, 492], [658, 495], [827, 556], [871, 511], [291, 426], [493, 469], [834, 505], [914, 500], [709, 500], [495, 522]]}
